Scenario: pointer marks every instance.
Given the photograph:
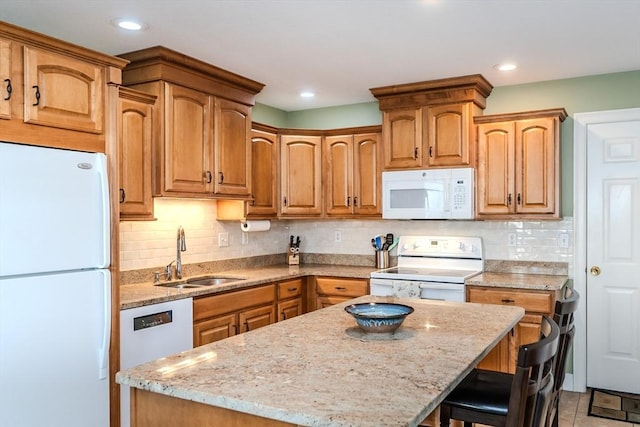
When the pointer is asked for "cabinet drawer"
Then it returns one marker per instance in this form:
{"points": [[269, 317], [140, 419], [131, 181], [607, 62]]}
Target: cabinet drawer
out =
{"points": [[233, 301], [341, 286], [289, 289], [531, 301]]}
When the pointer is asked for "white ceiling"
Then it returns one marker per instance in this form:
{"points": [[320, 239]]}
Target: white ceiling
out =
{"points": [[341, 48]]}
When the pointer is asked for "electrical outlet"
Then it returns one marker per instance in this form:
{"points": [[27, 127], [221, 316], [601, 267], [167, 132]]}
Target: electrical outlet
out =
{"points": [[245, 238], [511, 239], [338, 236], [563, 240], [223, 240]]}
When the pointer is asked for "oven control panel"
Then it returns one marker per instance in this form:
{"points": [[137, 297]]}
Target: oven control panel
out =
{"points": [[440, 246]]}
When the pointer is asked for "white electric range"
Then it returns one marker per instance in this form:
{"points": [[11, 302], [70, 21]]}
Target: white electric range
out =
{"points": [[430, 267]]}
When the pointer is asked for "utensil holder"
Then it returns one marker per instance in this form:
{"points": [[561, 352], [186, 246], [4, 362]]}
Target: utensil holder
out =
{"points": [[382, 259]]}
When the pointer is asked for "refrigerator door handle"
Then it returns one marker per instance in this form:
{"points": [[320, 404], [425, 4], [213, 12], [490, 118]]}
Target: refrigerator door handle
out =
{"points": [[103, 351], [106, 209]]}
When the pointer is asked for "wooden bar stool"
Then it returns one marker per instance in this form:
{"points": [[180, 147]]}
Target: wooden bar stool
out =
{"points": [[505, 400]]}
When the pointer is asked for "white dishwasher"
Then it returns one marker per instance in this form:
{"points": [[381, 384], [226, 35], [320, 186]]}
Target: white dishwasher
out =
{"points": [[150, 332]]}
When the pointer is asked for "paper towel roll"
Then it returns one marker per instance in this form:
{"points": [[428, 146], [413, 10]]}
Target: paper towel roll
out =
{"points": [[251, 226]]}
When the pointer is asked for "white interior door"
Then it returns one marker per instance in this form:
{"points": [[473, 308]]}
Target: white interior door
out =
{"points": [[613, 255]]}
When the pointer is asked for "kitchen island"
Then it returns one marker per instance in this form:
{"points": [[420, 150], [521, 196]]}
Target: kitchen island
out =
{"points": [[319, 369]]}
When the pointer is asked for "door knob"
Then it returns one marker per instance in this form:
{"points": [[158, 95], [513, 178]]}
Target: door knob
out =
{"points": [[595, 270]]}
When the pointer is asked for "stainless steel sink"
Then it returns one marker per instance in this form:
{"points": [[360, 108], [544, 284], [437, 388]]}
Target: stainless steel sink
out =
{"points": [[212, 280]]}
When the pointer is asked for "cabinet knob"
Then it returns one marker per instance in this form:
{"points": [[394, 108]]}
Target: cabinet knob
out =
{"points": [[509, 200], [355, 201], [415, 153], [123, 195], [348, 201], [9, 89], [220, 177], [595, 270], [209, 177], [519, 199], [285, 201]]}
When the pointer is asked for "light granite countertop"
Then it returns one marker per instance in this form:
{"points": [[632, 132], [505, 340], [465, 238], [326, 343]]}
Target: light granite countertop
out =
{"points": [[140, 294], [519, 281], [319, 369]]}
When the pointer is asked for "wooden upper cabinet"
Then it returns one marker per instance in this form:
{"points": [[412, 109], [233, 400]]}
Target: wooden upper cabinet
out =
{"points": [[6, 83], [430, 124], [352, 174], [402, 138], [232, 148], [202, 147], [62, 91], [134, 150], [519, 165], [264, 169], [301, 175], [449, 131], [188, 142]]}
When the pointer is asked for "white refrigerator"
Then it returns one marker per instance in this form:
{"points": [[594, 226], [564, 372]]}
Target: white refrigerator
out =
{"points": [[55, 288]]}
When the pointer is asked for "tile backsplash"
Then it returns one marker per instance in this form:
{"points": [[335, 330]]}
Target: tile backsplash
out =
{"points": [[149, 244]]}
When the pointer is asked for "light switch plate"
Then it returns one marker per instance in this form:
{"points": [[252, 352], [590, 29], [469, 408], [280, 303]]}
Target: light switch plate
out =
{"points": [[223, 240]]}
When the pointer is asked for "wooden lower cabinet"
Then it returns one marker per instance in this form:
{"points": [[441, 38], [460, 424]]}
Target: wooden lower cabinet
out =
{"points": [[290, 299], [334, 290], [535, 303], [220, 316], [150, 409]]}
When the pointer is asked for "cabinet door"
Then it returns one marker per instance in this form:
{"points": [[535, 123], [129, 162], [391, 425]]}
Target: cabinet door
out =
{"points": [[301, 176], [536, 166], [366, 174], [496, 162], [63, 92], [264, 167], [402, 138], [502, 358], [448, 134], [188, 141], [134, 127], [338, 168], [256, 318], [232, 148], [214, 329], [289, 308], [5, 79]]}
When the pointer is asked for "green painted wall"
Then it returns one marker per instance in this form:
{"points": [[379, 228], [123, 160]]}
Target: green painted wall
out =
{"points": [[576, 95]]}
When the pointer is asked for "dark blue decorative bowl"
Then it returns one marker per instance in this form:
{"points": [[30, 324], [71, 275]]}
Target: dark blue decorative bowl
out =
{"points": [[379, 317]]}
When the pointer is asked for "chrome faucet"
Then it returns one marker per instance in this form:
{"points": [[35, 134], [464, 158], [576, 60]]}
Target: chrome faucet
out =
{"points": [[181, 246]]}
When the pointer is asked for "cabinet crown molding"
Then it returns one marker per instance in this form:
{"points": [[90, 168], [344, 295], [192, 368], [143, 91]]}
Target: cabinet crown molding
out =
{"points": [[473, 88], [560, 113]]}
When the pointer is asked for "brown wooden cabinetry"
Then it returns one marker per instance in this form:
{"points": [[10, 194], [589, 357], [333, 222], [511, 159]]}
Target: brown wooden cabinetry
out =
{"points": [[202, 145], [5, 79], [352, 174], [54, 93], [290, 299], [519, 165], [301, 175], [535, 303], [334, 290], [264, 170], [430, 124], [134, 152], [220, 316]]}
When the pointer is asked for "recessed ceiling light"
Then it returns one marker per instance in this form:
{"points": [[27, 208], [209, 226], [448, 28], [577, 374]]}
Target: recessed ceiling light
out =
{"points": [[505, 67], [307, 94], [130, 24]]}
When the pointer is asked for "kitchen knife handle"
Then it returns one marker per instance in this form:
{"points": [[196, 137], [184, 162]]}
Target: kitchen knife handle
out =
{"points": [[9, 89]]}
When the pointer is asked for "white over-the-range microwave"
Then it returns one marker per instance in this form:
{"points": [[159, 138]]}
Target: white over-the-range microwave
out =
{"points": [[428, 194]]}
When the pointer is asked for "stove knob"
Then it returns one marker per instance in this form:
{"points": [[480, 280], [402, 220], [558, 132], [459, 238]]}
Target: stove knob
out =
{"points": [[416, 245], [461, 246]]}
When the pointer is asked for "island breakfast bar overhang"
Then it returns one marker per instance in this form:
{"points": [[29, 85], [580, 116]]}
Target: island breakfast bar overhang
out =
{"points": [[321, 370]]}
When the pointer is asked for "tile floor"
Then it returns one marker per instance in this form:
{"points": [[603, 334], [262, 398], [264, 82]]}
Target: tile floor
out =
{"points": [[573, 413]]}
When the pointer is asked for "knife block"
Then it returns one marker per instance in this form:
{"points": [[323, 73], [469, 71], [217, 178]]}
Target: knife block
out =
{"points": [[293, 256]]}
